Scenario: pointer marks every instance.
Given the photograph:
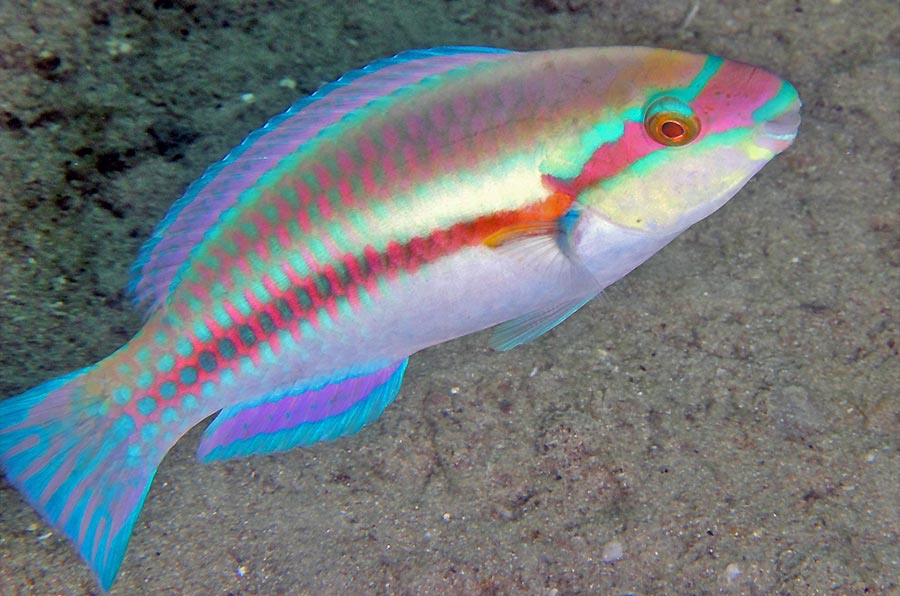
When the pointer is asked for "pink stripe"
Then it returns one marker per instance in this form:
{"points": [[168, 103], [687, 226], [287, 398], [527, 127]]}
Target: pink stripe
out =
{"points": [[324, 205], [610, 159], [323, 176], [732, 95], [367, 179], [231, 310]]}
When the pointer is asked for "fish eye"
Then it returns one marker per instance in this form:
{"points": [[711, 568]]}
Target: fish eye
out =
{"points": [[671, 122]]}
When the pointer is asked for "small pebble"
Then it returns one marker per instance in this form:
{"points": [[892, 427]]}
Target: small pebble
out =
{"points": [[732, 572], [612, 551]]}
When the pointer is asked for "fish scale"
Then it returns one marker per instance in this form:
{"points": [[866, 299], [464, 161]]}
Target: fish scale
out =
{"points": [[418, 199]]}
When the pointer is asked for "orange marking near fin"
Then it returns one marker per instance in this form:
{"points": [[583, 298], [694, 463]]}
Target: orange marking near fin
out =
{"points": [[537, 220]]}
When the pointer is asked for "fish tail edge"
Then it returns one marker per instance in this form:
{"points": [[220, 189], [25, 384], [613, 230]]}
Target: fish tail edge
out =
{"points": [[79, 467]]}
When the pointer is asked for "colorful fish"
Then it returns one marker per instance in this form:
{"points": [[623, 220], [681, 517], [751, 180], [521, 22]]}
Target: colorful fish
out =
{"points": [[419, 199]]}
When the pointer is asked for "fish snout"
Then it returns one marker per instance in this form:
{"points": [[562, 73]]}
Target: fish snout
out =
{"points": [[778, 132]]}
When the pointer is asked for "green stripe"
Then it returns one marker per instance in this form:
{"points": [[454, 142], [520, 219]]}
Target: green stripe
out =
{"points": [[784, 99], [647, 164], [611, 129], [709, 70]]}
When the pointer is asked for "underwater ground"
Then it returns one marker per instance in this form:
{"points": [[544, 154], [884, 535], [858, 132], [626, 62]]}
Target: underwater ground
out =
{"points": [[726, 420]]}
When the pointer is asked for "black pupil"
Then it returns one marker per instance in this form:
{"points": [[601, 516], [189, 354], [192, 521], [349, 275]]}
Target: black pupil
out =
{"points": [[672, 129]]}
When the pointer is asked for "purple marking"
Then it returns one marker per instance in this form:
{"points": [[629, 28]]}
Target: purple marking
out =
{"points": [[290, 411]]}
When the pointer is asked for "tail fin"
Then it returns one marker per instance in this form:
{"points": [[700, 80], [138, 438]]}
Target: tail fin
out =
{"points": [[79, 467]]}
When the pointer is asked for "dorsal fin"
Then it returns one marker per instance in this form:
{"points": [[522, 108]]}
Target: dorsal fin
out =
{"points": [[218, 189]]}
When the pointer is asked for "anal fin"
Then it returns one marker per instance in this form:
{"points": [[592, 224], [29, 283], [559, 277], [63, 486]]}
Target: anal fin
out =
{"points": [[302, 415]]}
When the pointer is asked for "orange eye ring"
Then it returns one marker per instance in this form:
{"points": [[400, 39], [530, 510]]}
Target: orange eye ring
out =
{"points": [[671, 122], [672, 130]]}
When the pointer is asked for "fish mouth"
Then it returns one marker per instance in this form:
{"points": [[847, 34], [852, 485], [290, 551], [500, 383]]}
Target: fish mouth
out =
{"points": [[783, 127], [779, 133]]}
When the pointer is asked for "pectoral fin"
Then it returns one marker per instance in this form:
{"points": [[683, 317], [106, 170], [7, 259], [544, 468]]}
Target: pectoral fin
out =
{"points": [[534, 324]]}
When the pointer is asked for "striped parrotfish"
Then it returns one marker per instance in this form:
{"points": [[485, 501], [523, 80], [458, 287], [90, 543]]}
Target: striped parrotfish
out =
{"points": [[418, 199]]}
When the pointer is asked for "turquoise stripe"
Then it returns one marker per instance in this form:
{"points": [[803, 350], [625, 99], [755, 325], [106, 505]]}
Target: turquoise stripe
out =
{"points": [[709, 70], [604, 132], [645, 165], [611, 129], [784, 99]]}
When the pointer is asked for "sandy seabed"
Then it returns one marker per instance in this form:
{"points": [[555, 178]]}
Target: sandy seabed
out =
{"points": [[725, 420]]}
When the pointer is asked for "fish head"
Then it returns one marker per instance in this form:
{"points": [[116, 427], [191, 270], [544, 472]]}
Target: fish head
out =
{"points": [[672, 136], [668, 139]]}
